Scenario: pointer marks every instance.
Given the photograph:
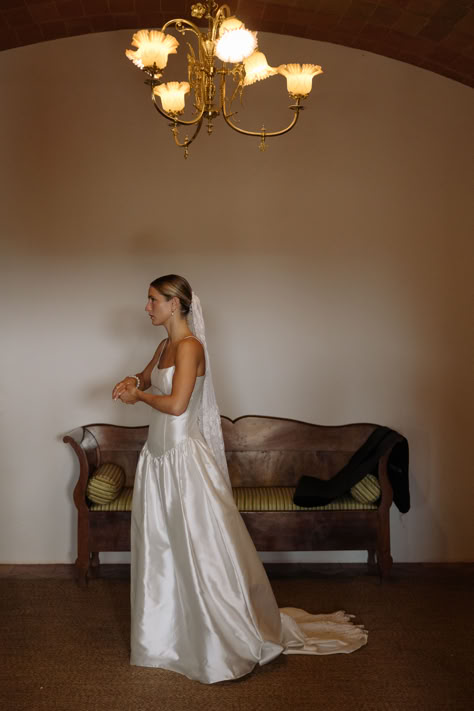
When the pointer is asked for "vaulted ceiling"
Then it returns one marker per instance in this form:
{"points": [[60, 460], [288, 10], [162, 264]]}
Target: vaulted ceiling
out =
{"points": [[434, 34]]}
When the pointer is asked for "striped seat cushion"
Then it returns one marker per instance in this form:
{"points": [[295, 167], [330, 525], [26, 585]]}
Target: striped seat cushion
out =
{"points": [[280, 498], [255, 498], [123, 502], [367, 490], [105, 484]]}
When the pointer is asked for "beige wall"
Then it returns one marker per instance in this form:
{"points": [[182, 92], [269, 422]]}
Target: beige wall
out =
{"points": [[335, 269]]}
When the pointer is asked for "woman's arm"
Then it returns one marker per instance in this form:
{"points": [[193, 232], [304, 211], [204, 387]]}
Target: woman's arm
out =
{"points": [[145, 375], [189, 355]]}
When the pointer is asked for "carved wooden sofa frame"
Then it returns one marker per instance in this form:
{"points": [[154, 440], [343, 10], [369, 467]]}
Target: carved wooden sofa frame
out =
{"points": [[261, 451]]}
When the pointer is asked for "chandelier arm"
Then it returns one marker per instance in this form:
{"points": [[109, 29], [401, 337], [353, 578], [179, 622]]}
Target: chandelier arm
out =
{"points": [[191, 27], [223, 12], [187, 141], [175, 119], [263, 134]]}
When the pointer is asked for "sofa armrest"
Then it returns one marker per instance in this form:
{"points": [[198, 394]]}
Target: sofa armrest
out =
{"points": [[86, 450], [77, 435]]}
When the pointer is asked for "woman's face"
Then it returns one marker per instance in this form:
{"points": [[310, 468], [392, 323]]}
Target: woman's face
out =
{"points": [[158, 307]]}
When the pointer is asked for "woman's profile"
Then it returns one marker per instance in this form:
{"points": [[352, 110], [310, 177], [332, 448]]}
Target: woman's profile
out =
{"points": [[201, 602]]}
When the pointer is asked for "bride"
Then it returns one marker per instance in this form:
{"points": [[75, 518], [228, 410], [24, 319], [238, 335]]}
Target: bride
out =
{"points": [[201, 602]]}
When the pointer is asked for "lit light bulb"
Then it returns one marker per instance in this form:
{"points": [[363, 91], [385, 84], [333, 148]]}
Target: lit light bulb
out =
{"points": [[235, 43]]}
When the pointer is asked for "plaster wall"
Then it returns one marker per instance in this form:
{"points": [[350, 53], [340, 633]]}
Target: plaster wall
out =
{"points": [[335, 269]]}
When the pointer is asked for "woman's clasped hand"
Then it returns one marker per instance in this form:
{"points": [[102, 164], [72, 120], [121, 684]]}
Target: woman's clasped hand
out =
{"points": [[126, 391]]}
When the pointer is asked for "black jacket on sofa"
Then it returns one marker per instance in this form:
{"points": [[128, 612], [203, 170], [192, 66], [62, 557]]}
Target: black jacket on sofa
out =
{"points": [[311, 491]]}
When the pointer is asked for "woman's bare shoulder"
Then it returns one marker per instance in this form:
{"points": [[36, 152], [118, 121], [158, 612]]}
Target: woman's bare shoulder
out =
{"points": [[190, 353], [189, 349], [190, 344]]}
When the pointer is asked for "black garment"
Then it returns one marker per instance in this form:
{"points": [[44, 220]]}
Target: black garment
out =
{"points": [[311, 491]]}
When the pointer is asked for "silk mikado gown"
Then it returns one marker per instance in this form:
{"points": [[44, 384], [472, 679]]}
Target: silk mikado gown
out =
{"points": [[201, 602]]}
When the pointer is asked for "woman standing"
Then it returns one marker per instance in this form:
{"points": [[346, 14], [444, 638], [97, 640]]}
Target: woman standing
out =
{"points": [[201, 602]]}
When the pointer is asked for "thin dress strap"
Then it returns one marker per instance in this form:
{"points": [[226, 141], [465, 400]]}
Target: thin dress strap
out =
{"points": [[161, 353], [166, 343]]}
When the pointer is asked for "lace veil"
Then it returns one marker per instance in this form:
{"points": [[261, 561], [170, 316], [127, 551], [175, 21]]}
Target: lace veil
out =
{"points": [[209, 417]]}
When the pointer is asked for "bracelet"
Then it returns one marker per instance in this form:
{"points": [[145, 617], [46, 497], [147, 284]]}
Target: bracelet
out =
{"points": [[137, 379]]}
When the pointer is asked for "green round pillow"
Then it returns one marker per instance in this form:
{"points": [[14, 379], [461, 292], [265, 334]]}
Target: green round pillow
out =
{"points": [[367, 490], [106, 483]]}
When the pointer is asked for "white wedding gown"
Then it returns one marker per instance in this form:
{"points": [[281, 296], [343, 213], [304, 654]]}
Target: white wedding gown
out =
{"points": [[201, 602]]}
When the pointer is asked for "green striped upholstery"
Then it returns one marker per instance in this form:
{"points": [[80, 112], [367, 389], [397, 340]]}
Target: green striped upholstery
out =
{"points": [[105, 484], [123, 502], [280, 498], [255, 498], [367, 491]]}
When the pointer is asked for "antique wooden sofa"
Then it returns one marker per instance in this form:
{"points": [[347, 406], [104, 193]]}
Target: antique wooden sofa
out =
{"points": [[262, 452]]}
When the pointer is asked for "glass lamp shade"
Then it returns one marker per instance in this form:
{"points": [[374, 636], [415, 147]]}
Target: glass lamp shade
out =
{"points": [[153, 47], [172, 96], [236, 44], [299, 78], [256, 68], [230, 23]]}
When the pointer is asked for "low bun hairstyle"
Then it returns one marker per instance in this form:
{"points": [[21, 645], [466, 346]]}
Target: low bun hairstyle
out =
{"points": [[173, 285]]}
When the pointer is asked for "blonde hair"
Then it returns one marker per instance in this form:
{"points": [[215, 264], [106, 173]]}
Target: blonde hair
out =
{"points": [[173, 285]]}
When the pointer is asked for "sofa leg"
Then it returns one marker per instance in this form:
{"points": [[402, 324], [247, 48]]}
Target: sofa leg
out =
{"points": [[385, 562], [81, 572], [371, 562], [95, 564], [83, 556], [384, 558]]}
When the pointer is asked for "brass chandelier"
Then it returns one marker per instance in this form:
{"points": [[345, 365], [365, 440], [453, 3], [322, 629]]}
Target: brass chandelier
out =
{"points": [[227, 40]]}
